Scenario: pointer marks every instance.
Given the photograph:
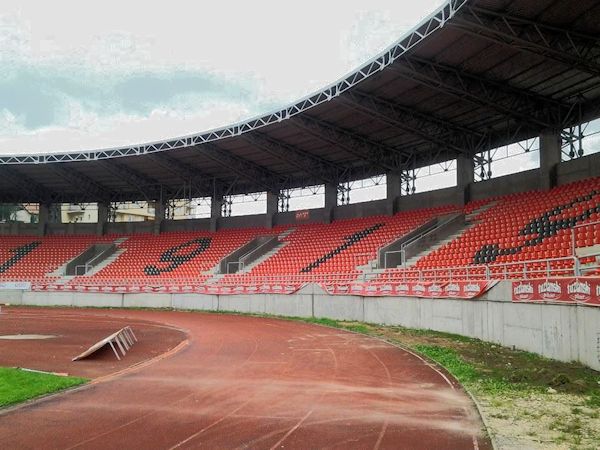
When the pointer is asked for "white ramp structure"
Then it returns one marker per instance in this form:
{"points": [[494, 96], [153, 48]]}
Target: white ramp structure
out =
{"points": [[122, 339]]}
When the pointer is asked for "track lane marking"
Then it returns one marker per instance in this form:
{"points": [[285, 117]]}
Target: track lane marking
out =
{"points": [[291, 430]]}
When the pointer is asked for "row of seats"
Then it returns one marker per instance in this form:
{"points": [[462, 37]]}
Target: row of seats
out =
{"points": [[337, 248], [33, 257], [504, 230], [177, 255], [526, 226], [514, 229]]}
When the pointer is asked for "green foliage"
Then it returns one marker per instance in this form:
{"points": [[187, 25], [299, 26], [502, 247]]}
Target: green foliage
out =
{"points": [[464, 372], [19, 385], [8, 211]]}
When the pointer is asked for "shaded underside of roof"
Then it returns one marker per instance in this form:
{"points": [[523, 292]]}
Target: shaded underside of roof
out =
{"points": [[479, 74]]}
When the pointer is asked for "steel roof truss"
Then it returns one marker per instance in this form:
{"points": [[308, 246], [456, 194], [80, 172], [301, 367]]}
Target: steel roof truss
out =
{"points": [[562, 45]]}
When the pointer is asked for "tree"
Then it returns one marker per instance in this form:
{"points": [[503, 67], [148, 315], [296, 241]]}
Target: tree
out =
{"points": [[8, 212]]}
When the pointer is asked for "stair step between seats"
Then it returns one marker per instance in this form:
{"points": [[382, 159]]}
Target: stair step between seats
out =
{"points": [[112, 258], [264, 257], [412, 261]]}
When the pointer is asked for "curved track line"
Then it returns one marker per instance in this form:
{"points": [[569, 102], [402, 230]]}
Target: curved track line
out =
{"points": [[386, 422], [216, 422], [289, 433], [302, 391]]}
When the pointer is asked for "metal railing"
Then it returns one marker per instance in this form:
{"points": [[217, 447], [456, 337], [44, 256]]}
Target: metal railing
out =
{"points": [[425, 240], [86, 267], [238, 265], [568, 266], [530, 269], [574, 239]]}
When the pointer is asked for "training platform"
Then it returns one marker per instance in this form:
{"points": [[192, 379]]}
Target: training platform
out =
{"points": [[124, 339]]}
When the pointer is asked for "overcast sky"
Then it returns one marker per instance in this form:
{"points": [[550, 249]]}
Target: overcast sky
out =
{"points": [[85, 75]]}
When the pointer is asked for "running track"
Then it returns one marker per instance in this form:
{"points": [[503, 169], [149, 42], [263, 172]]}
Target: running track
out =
{"points": [[243, 382]]}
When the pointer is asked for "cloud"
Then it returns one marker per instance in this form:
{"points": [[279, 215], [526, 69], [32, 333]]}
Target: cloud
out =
{"points": [[91, 77], [39, 99]]}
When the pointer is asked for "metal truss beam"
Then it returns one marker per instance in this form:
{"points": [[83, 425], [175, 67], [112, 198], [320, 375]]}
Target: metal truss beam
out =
{"points": [[150, 188], [379, 155], [429, 128], [84, 184], [562, 45], [308, 163], [200, 182], [27, 188], [518, 104], [429, 26], [248, 170]]}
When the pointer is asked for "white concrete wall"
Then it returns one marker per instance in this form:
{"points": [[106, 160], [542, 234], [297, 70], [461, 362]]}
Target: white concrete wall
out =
{"points": [[563, 332]]}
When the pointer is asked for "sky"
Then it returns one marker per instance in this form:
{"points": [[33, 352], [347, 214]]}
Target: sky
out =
{"points": [[87, 75]]}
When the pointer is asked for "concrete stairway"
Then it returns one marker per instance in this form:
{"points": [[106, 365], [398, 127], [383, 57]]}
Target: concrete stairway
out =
{"points": [[473, 214], [64, 279], [412, 261], [216, 276], [112, 258], [263, 258], [469, 223], [270, 253]]}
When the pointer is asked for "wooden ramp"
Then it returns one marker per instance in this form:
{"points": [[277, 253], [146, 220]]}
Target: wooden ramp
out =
{"points": [[122, 339]]}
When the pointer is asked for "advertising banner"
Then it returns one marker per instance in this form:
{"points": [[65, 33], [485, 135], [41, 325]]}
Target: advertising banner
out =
{"points": [[15, 286], [559, 290], [178, 289], [453, 289]]}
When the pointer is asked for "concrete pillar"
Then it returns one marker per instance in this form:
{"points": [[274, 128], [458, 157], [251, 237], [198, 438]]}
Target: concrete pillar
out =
{"points": [[102, 218], [272, 208], [465, 177], [331, 192], [159, 215], [43, 218], [216, 211], [394, 189], [550, 156]]}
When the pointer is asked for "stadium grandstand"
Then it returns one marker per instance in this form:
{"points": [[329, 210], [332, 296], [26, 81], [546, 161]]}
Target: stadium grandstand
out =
{"points": [[428, 226], [474, 78]]}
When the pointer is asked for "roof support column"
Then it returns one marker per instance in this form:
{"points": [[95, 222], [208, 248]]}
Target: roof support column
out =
{"points": [[331, 192], [394, 188], [43, 218], [465, 177], [272, 208], [159, 215], [550, 156], [102, 218], [216, 211]]}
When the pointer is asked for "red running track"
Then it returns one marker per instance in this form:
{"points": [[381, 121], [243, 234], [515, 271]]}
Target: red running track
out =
{"points": [[244, 382]]}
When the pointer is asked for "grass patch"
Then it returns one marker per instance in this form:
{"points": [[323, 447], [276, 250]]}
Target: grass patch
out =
{"points": [[16, 385], [487, 366], [463, 372]]}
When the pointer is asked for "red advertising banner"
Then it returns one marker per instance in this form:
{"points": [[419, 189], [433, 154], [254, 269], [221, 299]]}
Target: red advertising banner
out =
{"points": [[560, 290], [453, 289], [302, 215], [180, 289]]}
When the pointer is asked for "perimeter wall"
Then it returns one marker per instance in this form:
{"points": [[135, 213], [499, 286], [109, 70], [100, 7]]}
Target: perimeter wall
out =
{"points": [[562, 332]]}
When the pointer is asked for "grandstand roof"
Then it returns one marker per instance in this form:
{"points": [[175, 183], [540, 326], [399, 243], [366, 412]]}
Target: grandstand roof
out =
{"points": [[474, 75]]}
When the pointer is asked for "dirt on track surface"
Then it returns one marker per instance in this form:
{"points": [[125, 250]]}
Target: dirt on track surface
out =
{"points": [[75, 331], [246, 382]]}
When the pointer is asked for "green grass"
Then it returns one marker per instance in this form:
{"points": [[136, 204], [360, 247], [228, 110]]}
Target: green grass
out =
{"points": [[483, 366], [17, 385], [463, 372]]}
